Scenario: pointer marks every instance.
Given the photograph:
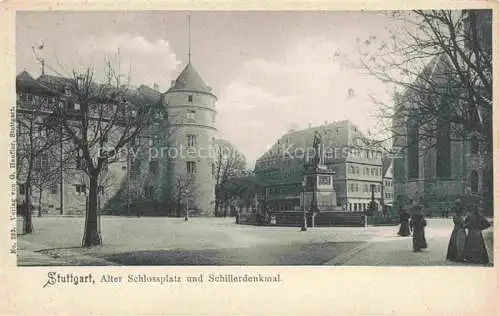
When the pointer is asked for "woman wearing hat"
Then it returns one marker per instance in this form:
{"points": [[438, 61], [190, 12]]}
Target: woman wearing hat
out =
{"points": [[475, 248], [404, 229], [417, 225], [456, 246]]}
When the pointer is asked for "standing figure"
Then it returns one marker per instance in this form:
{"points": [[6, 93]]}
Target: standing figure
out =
{"points": [[475, 248], [404, 229], [417, 225], [456, 246], [457, 208]]}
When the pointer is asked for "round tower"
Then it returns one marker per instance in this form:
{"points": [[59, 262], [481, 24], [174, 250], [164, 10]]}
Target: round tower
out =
{"points": [[190, 105]]}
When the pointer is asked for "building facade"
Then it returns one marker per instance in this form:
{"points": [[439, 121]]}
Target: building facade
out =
{"points": [[387, 186], [59, 186], [446, 157], [346, 151], [438, 162], [190, 104], [169, 163]]}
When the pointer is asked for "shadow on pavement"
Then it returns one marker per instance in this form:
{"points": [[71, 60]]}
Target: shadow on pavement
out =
{"points": [[303, 254]]}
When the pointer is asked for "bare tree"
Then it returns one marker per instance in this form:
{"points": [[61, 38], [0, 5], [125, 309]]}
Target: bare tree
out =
{"points": [[185, 194], [35, 142], [229, 163], [439, 63], [100, 119], [46, 175]]}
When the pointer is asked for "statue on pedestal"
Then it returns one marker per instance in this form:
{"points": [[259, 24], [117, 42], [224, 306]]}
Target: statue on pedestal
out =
{"points": [[318, 155]]}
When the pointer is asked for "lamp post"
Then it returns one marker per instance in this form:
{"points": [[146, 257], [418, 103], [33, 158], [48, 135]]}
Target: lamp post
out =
{"points": [[186, 216], [304, 224]]}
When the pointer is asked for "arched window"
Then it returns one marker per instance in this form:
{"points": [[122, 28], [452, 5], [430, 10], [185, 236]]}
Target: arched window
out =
{"points": [[474, 146], [474, 182]]}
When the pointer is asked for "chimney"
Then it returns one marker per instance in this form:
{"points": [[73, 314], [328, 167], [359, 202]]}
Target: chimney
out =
{"points": [[172, 83], [156, 86]]}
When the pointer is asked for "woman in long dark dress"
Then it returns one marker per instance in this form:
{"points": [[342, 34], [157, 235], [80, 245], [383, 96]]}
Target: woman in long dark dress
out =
{"points": [[417, 225], [456, 246], [404, 229], [475, 248]]}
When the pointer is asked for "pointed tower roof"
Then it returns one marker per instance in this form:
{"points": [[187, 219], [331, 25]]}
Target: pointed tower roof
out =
{"points": [[190, 80]]}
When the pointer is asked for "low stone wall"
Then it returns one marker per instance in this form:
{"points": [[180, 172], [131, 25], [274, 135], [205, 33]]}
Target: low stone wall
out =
{"points": [[296, 219], [346, 219]]}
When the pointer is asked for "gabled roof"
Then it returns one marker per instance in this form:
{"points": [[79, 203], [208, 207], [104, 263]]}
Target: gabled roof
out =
{"points": [[24, 76], [190, 80], [335, 135], [149, 92], [25, 81], [53, 80], [386, 163]]}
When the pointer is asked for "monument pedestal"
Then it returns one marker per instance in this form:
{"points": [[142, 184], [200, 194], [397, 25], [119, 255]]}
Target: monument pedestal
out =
{"points": [[319, 193]]}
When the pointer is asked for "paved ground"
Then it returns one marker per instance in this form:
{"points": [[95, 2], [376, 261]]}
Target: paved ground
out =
{"points": [[215, 241]]}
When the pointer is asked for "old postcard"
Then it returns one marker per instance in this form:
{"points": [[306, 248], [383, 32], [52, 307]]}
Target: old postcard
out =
{"points": [[249, 160]]}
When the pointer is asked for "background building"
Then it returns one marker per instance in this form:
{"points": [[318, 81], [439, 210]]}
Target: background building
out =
{"points": [[172, 166], [357, 166], [387, 187], [57, 177]]}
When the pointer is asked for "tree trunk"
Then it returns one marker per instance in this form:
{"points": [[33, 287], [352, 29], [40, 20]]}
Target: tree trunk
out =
{"points": [[40, 203], [27, 222], [92, 236], [178, 207], [216, 207]]}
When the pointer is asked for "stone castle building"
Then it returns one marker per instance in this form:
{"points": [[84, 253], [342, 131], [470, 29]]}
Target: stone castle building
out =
{"points": [[59, 186], [190, 104], [172, 162]]}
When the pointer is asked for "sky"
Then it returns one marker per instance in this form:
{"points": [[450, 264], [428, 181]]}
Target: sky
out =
{"points": [[271, 71]]}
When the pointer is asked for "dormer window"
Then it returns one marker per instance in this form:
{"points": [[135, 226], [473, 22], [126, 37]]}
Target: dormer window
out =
{"points": [[67, 92], [190, 98]]}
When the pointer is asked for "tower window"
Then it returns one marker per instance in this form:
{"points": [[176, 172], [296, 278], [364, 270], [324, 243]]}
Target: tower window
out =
{"points": [[191, 167], [190, 98], [191, 114], [191, 140]]}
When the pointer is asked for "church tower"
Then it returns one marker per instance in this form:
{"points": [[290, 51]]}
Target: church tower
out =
{"points": [[190, 105]]}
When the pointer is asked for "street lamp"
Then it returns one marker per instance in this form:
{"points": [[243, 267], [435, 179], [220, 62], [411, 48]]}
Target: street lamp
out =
{"points": [[304, 224], [186, 215]]}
